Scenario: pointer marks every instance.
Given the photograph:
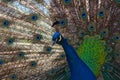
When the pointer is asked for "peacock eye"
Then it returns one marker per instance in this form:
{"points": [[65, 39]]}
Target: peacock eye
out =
{"points": [[63, 55], [91, 27], [11, 41], [13, 76], [38, 37], [8, 0], [116, 38], [49, 49], [21, 54], [34, 17], [101, 13], [109, 49], [82, 34], [62, 22], [83, 15], [67, 1], [116, 54], [6, 23], [33, 63], [104, 32], [1, 62], [118, 1]]}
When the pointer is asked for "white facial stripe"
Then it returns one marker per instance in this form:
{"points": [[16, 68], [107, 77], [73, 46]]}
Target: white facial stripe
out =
{"points": [[60, 38]]}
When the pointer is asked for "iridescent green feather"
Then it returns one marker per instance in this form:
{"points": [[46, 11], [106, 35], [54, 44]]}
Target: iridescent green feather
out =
{"points": [[92, 52]]}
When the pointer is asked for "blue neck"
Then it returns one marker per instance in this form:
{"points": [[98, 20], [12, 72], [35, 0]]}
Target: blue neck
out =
{"points": [[79, 70]]}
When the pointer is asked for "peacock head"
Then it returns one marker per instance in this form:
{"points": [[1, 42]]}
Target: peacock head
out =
{"points": [[57, 38]]}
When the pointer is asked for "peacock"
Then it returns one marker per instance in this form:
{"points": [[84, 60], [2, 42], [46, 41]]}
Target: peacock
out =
{"points": [[77, 67], [27, 50]]}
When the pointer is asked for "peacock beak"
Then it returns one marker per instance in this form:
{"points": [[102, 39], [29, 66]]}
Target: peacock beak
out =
{"points": [[53, 43]]}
